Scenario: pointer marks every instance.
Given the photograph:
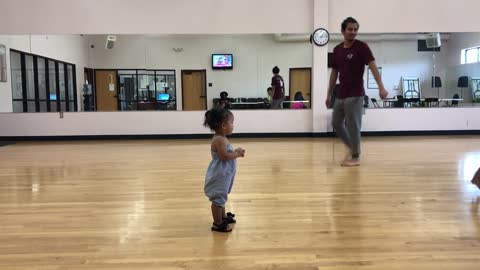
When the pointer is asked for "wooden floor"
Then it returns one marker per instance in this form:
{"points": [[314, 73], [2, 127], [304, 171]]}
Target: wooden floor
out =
{"points": [[140, 205]]}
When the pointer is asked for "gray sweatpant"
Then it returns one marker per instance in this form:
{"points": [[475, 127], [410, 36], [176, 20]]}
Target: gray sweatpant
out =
{"points": [[277, 104], [347, 121]]}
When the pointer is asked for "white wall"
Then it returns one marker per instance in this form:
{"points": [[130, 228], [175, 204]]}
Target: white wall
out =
{"points": [[418, 119], [254, 56], [132, 123], [406, 16], [67, 48], [155, 17], [233, 17]]}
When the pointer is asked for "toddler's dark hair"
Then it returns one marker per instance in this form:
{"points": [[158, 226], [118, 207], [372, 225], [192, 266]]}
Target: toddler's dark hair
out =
{"points": [[215, 117]]}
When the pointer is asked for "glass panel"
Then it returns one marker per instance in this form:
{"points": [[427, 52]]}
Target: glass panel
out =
{"points": [[43, 106], [63, 106], [166, 94], [53, 106], [61, 75], [165, 72], [3, 63], [16, 70], [128, 106], [127, 72], [17, 106], [146, 85], [171, 89], [128, 87], [42, 88], [31, 106], [72, 106], [472, 56], [70, 82], [30, 79], [53, 83]]}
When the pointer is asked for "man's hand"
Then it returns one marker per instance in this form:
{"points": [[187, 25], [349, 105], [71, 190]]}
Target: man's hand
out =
{"points": [[383, 93], [328, 102]]}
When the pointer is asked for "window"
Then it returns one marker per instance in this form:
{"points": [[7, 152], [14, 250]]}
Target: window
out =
{"points": [[147, 89], [40, 84], [470, 55]]}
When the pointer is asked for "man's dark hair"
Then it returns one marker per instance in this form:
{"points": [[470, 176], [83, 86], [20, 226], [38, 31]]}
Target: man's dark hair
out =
{"points": [[275, 70], [347, 21]]}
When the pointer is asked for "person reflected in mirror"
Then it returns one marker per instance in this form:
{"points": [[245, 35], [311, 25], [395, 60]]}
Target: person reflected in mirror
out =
{"points": [[298, 101], [269, 95], [224, 102], [278, 89]]}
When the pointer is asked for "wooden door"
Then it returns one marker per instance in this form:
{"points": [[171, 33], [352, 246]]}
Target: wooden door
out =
{"points": [[194, 90], [301, 80], [107, 99]]}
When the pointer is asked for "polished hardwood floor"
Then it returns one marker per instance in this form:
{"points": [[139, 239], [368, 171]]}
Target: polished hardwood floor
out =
{"points": [[140, 205]]}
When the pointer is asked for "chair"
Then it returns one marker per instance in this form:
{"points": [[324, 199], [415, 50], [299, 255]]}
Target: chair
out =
{"points": [[375, 103], [365, 101], [286, 105], [455, 102], [411, 87], [476, 89], [462, 83], [412, 102], [437, 83], [429, 102], [400, 103]]}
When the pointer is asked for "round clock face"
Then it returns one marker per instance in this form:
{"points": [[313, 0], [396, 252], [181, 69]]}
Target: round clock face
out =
{"points": [[320, 37]]}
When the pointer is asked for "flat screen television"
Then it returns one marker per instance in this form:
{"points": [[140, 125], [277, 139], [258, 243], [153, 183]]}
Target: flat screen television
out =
{"points": [[163, 97], [222, 61]]}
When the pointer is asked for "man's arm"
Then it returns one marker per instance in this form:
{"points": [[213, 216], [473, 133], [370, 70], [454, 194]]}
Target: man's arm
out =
{"points": [[381, 88], [331, 85]]}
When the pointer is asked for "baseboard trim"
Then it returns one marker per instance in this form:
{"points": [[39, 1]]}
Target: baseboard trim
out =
{"points": [[237, 135]]}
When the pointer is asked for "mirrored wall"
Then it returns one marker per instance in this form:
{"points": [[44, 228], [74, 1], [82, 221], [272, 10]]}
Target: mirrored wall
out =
{"points": [[419, 74], [205, 66], [190, 72]]}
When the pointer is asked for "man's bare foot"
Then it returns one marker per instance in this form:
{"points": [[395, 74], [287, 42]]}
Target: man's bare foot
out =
{"points": [[351, 162]]}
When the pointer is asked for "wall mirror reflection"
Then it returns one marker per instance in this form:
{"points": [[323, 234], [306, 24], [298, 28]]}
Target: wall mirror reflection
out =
{"points": [[420, 74]]}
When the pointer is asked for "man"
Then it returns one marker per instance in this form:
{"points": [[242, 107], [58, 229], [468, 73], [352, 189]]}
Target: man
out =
{"points": [[349, 60], [278, 89]]}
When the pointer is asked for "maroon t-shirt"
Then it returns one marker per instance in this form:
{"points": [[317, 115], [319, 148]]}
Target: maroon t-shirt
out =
{"points": [[277, 85], [350, 63]]}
